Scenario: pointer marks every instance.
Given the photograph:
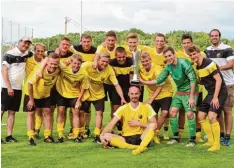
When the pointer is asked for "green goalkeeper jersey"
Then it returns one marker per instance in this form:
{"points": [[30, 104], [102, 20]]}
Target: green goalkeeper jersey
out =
{"points": [[182, 74]]}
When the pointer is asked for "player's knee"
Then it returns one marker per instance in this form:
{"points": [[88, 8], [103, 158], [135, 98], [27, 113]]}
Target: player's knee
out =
{"points": [[190, 115], [212, 118], [11, 113], [172, 113], [152, 126], [164, 114]]}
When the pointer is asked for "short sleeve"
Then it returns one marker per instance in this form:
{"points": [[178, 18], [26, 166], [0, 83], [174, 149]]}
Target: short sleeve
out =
{"points": [[119, 113]]}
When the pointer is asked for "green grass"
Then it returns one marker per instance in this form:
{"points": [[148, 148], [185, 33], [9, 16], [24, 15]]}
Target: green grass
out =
{"points": [[87, 154]]}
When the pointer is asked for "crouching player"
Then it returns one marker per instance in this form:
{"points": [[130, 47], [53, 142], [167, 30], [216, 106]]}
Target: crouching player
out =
{"points": [[71, 86], [212, 105], [37, 95], [137, 133]]}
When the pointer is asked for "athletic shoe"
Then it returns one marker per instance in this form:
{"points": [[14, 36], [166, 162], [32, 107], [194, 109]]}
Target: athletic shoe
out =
{"points": [[173, 141], [2, 142], [78, 140], [227, 142], [70, 136], [49, 140], [60, 140], [10, 139], [36, 135], [191, 143], [108, 146], [31, 142], [87, 133], [97, 140], [222, 140]]}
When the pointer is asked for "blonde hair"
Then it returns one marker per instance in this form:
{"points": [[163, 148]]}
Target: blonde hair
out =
{"points": [[39, 44], [132, 35]]}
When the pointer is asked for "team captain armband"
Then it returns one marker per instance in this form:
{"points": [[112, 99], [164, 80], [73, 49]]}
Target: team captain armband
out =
{"points": [[209, 69]]}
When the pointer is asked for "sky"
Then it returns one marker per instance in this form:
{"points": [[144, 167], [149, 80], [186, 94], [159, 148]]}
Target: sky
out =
{"points": [[47, 17]]}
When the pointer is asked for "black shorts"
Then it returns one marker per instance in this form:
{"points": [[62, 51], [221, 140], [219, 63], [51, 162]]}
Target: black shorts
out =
{"points": [[206, 106], [98, 104], [163, 104], [53, 96], [199, 99], [67, 102], [134, 139], [39, 103], [108, 89], [142, 94], [10, 102], [116, 100]]}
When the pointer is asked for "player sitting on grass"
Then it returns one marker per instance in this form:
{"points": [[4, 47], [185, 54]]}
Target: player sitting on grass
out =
{"points": [[211, 77], [137, 132]]}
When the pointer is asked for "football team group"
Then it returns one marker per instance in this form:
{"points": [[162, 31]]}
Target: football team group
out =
{"points": [[72, 77]]}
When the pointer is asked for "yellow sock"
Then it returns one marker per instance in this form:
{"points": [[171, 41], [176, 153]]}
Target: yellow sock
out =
{"points": [[145, 141], [60, 129], [205, 124], [30, 134], [47, 133], [115, 141], [38, 122], [216, 132], [75, 132], [97, 131]]}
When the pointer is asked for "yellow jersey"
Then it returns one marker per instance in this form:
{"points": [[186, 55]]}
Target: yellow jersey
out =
{"points": [[167, 90], [139, 47], [101, 49], [86, 55], [43, 85], [30, 64], [69, 84], [142, 113], [157, 58], [97, 78]]}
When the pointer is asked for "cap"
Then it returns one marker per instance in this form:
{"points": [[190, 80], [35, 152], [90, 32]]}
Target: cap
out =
{"points": [[26, 39]]}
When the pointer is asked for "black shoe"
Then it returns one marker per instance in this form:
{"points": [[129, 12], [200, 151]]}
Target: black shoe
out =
{"points": [[36, 135], [31, 142], [2, 142], [97, 140], [108, 146], [49, 140], [10, 139], [78, 140], [87, 132], [60, 140]]}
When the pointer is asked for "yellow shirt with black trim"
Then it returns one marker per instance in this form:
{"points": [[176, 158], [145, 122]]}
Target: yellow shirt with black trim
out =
{"points": [[167, 90], [142, 48], [102, 48], [97, 78], [183, 54], [206, 71], [30, 64], [157, 58], [86, 55], [43, 85], [69, 84], [143, 113]]}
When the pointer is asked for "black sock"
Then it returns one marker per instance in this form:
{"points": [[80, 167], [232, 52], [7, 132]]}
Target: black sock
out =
{"points": [[222, 134], [165, 128], [193, 138], [198, 130]]}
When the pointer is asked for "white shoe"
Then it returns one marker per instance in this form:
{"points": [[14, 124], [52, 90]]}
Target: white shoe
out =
{"points": [[172, 141]]}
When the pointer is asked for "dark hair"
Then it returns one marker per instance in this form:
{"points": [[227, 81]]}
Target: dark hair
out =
{"points": [[169, 49], [65, 38], [215, 30], [86, 36], [186, 36], [120, 50], [111, 33], [193, 49], [136, 86]]}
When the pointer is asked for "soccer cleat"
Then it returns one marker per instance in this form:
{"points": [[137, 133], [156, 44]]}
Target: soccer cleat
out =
{"points": [[173, 141], [227, 142], [78, 140], [198, 137], [214, 148], [10, 139], [208, 144], [36, 135], [2, 142], [156, 139], [108, 146], [31, 142], [70, 136], [139, 150], [97, 140], [60, 140], [87, 132], [222, 140], [49, 140], [165, 135], [191, 143]]}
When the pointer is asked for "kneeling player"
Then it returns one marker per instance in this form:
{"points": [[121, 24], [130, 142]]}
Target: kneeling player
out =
{"points": [[212, 105], [37, 95], [71, 85], [137, 133]]}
